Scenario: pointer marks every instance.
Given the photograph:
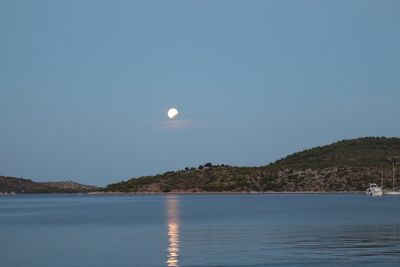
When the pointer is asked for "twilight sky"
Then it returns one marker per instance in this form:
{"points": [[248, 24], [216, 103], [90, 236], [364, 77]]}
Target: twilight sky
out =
{"points": [[85, 85]]}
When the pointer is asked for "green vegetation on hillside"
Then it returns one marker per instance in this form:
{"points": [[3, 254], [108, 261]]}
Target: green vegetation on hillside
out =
{"points": [[347, 165], [20, 185], [362, 152]]}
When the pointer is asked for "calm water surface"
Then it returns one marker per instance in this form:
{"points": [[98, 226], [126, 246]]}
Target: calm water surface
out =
{"points": [[199, 230]]}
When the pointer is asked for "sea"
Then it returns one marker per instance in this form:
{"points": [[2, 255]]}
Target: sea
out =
{"points": [[198, 230]]}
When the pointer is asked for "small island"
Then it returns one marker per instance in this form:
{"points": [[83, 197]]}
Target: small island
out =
{"points": [[14, 185]]}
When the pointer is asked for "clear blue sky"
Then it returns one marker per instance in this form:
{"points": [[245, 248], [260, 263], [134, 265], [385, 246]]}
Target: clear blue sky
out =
{"points": [[85, 85]]}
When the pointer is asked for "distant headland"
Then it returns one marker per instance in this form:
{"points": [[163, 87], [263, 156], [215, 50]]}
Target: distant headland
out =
{"points": [[14, 185], [344, 166]]}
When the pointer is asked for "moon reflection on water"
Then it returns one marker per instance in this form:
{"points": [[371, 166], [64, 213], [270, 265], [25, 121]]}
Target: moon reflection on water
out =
{"points": [[173, 231]]}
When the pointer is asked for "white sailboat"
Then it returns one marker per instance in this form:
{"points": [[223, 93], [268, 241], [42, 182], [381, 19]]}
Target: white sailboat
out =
{"points": [[394, 191]]}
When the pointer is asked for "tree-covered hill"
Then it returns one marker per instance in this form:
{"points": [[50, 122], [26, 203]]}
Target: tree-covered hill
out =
{"points": [[362, 152], [20, 185], [348, 165]]}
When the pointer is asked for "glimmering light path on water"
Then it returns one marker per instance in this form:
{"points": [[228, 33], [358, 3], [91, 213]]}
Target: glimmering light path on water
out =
{"points": [[173, 231]]}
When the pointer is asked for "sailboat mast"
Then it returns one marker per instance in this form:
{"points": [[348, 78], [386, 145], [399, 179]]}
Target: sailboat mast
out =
{"points": [[382, 176], [394, 180]]}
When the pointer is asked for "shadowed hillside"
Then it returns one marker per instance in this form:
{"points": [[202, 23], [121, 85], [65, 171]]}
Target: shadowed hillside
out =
{"points": [[347, 165], [20, 185]]}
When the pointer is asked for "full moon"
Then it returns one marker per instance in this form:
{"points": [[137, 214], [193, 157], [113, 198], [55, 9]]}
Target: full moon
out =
{"points": [[172, 113]]}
